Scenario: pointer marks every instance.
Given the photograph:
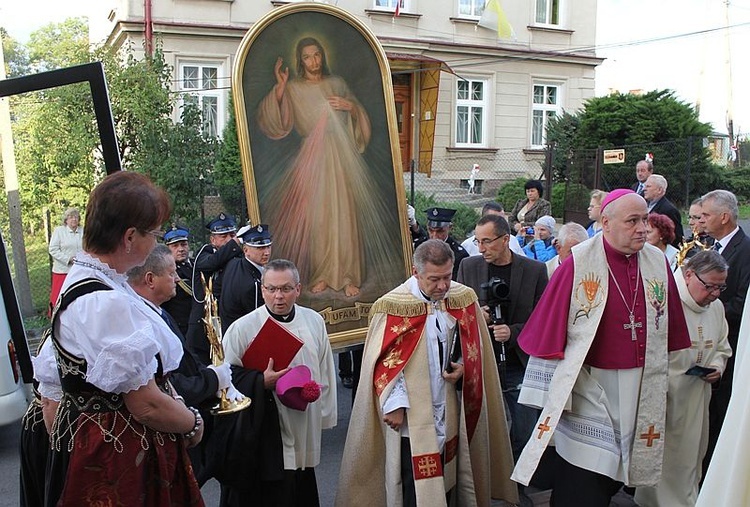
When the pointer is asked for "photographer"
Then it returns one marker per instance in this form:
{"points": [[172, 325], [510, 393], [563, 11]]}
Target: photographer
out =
{"points": [[512, 286]]}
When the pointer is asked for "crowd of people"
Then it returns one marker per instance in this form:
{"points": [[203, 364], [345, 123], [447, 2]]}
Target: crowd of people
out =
{"points": [[563, 358]]}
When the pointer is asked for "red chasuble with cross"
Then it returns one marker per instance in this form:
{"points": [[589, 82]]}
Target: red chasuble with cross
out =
{"points": [[476, 460]]}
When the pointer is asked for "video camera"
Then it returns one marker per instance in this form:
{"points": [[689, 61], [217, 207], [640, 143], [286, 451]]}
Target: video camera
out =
{"points": [[496, 292]]}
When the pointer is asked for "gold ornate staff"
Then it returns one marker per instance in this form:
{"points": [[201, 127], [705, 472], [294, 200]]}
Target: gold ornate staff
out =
{"points": [[686, 246], [213, 332]]}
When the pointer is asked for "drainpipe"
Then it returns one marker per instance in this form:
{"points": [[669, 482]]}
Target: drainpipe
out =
{"points": [[149, 30]]}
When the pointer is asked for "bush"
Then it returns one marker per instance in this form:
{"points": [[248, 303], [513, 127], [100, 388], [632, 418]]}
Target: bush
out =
{"points": [[738, 181], [463, 221]]}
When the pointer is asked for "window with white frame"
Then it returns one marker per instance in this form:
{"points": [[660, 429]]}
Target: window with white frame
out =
{"points": [[545, 105], [391, 4], [548, 12], [472, 107], [199, 84], [470, 8]]}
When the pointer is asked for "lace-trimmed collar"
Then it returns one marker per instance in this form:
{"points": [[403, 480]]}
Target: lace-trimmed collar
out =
{"points": [[86, 260]]}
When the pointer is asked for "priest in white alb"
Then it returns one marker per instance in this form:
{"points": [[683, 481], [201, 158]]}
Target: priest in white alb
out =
{"points": [[300, 430], [599, 341], [691, 373]]}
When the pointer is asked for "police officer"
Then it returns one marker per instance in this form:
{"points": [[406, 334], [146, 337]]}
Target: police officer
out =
{"points": [[240, 290], [180, 306], [439, 224], [211, 260]]}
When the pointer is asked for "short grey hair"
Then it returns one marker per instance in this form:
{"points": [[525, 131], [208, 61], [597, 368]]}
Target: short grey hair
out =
{"points": [[69, 213], [158, 261], [572, 231], [725, 200], [659, 180], [280, 265], [433, 251], [705, 261]]}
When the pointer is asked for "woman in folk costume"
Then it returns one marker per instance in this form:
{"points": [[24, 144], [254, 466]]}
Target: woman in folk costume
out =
{"points": [[119, 433], [700, 282]]}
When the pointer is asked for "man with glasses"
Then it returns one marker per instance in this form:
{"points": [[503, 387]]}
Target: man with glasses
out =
{"points": [[719, 216], [240, 291], [283, 443], [691, 373], [524, 280], [210, 261], [492, 208]]}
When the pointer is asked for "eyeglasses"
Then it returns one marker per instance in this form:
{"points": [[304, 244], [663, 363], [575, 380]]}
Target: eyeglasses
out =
{"points": [[711, 288], [158, 233], [487, 242], [284, 289]]}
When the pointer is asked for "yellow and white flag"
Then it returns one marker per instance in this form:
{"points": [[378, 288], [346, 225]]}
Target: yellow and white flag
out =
{"points": [[494, 18]]}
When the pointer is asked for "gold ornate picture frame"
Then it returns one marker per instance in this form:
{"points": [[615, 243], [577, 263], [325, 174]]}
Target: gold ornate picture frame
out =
{"points": [[320, 158]]}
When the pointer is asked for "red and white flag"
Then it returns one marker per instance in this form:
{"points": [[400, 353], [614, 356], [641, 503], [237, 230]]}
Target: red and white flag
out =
{"points": [[397, 11]]}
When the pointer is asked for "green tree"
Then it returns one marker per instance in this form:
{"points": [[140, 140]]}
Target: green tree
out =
{"points": [[655, 122], [57, 139], [176, 159], [227, 173], [54, 140], [14, 53]]}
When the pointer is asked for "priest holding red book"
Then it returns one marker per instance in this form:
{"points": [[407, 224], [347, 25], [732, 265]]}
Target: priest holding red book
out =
{"points": [[277, 441]]}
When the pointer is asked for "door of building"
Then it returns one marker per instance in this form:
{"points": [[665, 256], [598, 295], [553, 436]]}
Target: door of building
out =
{"points": [[402, 97]]}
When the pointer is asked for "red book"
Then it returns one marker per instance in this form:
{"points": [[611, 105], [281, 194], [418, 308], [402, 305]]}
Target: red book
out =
{"points": [[273, 340]]}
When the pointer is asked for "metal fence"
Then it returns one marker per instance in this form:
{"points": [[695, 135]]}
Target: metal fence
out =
{"points": [[683, 162], [574, 175]]}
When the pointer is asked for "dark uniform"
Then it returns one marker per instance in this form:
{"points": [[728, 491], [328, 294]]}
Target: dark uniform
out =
{"points": [[441, 218], [240, 291], [181, 305], [210, 262]]}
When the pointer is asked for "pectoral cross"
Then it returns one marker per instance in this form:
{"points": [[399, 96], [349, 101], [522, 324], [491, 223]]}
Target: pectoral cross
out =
{"points": [[632, 326]]}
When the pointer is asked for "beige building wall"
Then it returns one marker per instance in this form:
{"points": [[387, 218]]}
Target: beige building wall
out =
{"points": [[554, 55]]}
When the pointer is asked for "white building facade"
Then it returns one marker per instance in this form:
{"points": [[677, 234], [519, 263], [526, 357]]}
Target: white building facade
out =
{"points": [[462, 94]]}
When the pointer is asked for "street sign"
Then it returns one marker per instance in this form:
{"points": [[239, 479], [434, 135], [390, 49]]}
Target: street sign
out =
{"points": [[614, 156]]}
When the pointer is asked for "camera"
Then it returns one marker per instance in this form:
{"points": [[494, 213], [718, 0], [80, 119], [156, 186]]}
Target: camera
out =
{"points": [[529, 231], [496, 292]]}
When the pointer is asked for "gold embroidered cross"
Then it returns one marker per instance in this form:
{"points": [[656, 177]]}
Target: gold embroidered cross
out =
{"points": [[543, 428], [401, 328], [427, 466], [651, 435], [381, 382]]}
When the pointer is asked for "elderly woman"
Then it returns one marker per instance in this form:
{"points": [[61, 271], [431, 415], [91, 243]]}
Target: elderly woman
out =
{"points": [[660, 233], [527, 211], [595, 212], [691, 373], [120, 434], [65, 243]]}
